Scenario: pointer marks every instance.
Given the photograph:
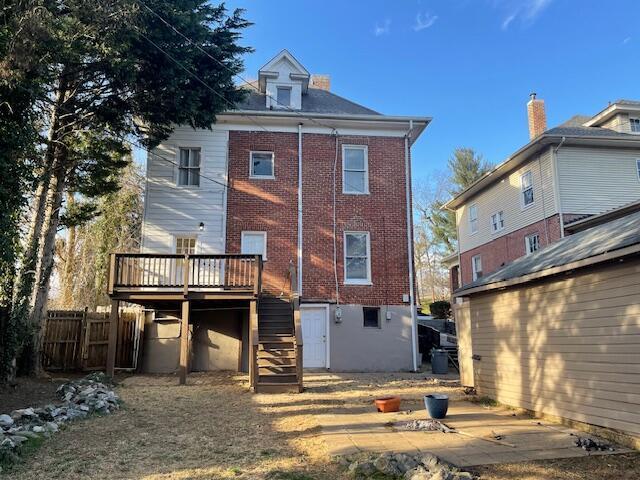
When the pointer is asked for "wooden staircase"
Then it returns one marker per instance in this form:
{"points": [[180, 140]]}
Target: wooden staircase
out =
{"points": [[278, 349]]}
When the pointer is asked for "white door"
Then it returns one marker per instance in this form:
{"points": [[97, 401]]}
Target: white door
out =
{"points": [[314, 336]]}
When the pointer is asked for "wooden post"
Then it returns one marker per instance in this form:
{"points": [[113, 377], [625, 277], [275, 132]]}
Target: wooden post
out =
{"points": [[253, 343], [185, 275], [112, 274], [184, 342], [113, 338]]}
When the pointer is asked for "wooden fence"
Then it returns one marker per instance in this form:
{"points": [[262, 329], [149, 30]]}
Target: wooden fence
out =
{"points": [[79, 340]]}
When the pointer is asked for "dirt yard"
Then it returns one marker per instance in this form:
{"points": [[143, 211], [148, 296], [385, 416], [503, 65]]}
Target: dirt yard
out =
{"points": [[213, 428]]}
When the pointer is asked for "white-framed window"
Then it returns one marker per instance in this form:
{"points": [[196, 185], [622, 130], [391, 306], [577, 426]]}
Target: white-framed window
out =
{"points": [[526, 184], [355, 169], [357, 258], [635, 125], [476, 266], [261, 165], [473, 218], [532, 243], [638, 167], [254, 243], [497, 221], [189, 167], [283, 97], [185, 245]]}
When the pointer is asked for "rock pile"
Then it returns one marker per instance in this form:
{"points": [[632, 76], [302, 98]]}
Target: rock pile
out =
{"points": [[402, 466], [91, 394]]}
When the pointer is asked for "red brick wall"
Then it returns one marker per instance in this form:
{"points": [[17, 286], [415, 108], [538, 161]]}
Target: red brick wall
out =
{"points": [[271, 205], [507, 248]]}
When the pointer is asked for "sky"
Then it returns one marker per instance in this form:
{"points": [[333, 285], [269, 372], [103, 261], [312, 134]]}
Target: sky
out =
{"points": [[469, 64]]}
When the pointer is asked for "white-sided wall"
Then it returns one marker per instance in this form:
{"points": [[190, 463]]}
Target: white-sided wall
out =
{"points": [[172, 211], [594, 180], [506, 195]]}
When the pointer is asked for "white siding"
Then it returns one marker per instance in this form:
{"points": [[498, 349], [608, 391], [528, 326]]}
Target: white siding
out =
{"points": [[594, 180], [505, 195], [172, 211]]}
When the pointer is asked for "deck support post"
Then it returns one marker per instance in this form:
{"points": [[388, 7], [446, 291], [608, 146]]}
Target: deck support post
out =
{"points": [[113, 338], [184, 342], [253, 344]]}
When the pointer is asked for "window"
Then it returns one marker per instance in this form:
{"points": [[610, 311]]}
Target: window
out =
{"points": [[261, 165], [283, 96], [476, 266], [532, 243], [254, 243], [189, 167], [473, 218], [497, 221], [355, 169], [371, 317], [185, 245], [526, 182], [357, 258], [638, 167], [635, 124]]}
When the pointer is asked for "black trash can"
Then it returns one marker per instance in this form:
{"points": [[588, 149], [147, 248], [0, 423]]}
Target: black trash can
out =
{"points": [[439, 362]]}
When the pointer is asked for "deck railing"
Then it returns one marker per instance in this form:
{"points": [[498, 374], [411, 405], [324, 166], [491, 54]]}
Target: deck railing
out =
{"points": [[170, 272]]}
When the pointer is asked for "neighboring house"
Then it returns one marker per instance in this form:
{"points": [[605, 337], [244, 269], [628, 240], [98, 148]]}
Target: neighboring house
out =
{"points": [[319, 187], [558, 331], [584, 167]]}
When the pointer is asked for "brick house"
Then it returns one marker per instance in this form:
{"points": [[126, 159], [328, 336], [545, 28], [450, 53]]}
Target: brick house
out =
{"points": [[310, 193], [585, 167]]}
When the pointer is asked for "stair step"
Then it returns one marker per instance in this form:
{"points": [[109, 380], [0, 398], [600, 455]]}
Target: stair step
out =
{"points": [[276, 370], [267, 387], [278, 378], [276, 354], [277, 362]]}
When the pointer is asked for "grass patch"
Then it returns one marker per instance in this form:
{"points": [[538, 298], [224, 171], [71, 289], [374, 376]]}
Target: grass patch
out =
{"points": [[288, 476], [8, 459], [484, 401]]}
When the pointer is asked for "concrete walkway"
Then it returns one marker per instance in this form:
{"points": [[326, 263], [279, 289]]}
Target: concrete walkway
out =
{"points": [[523, 439]]}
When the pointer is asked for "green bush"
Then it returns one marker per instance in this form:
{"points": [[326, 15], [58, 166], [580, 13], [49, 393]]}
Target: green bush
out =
{"points": [[440, 309]]}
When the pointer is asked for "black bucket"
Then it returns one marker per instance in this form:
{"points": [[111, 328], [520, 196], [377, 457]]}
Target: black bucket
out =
{"points": [[437, 405]]}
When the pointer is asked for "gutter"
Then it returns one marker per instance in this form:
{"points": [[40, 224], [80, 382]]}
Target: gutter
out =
{"points": [[299, 250], [414, 325]]}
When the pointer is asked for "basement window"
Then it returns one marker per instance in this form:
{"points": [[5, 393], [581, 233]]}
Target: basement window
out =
{"points": [[371, 317]]}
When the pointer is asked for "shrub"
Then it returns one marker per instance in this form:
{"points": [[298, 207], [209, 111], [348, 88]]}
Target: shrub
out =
{"points": [[440, 309]]}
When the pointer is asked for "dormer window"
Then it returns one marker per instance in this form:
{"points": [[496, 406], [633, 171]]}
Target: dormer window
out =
{"points": [[635, 125], [283, 97]]}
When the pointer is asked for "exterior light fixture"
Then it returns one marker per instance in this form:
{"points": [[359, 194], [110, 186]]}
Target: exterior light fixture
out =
{"points": [[201, 226]]}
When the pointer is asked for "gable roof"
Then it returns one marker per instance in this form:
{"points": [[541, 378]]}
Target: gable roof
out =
{"points": [[314, 101], [593, 243]]}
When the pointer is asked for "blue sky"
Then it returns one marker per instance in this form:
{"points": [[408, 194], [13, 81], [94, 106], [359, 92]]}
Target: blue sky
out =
{"points": [[470, 64]]}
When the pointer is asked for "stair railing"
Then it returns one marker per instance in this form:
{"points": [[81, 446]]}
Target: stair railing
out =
{"points": [[254, 342], [297, 325]]}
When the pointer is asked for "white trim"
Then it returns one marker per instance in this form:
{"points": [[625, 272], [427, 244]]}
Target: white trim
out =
{"points": [[522, 190], [327, 360], [474, 272], [254, 232], [300, 232], [527, 250], [181, 146], [638, 167], [500, 214], [225, 206], [273, 166], [365, 149], [362, 281], [187, 236], [278, 103], [477, 219], [410, 240], [631, 125]]}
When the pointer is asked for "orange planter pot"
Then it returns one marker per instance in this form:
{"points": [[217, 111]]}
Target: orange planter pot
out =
{"points": [[388, 404]]}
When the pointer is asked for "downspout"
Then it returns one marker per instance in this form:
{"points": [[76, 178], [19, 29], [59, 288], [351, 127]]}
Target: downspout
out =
{"points": [[300, 209], [556, 184], [414, 327]]}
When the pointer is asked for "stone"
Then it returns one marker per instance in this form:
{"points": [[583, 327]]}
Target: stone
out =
{"points": [[441, 473], [38, 429], [52, 427], [418, 473], [386, 465], [18, 439], [7, 443], [463, 476], [405, 462], [428, 460], [362, 469], [6, 420]]}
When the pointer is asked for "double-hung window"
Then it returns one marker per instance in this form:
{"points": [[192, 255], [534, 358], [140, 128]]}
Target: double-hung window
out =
{"points": [[254, 243], [638, 167], [473, 218], [532, 243], [355, 169], [283, 97], [357, 258], [635, 125], [261, 165], [189, 167], [526, 184], [476, 266], [497, 221]]}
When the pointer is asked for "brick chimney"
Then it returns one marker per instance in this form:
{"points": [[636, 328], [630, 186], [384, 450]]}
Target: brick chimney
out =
{"points": [[323, 82], [537, 117]]}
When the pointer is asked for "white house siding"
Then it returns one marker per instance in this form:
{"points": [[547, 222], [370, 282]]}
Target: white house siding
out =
{"points": [[594, 180], [619, 123], [172, 211], [505, 195]]}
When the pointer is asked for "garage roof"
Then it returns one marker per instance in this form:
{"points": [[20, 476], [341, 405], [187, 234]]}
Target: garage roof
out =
{"points": [[596, 244]]}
